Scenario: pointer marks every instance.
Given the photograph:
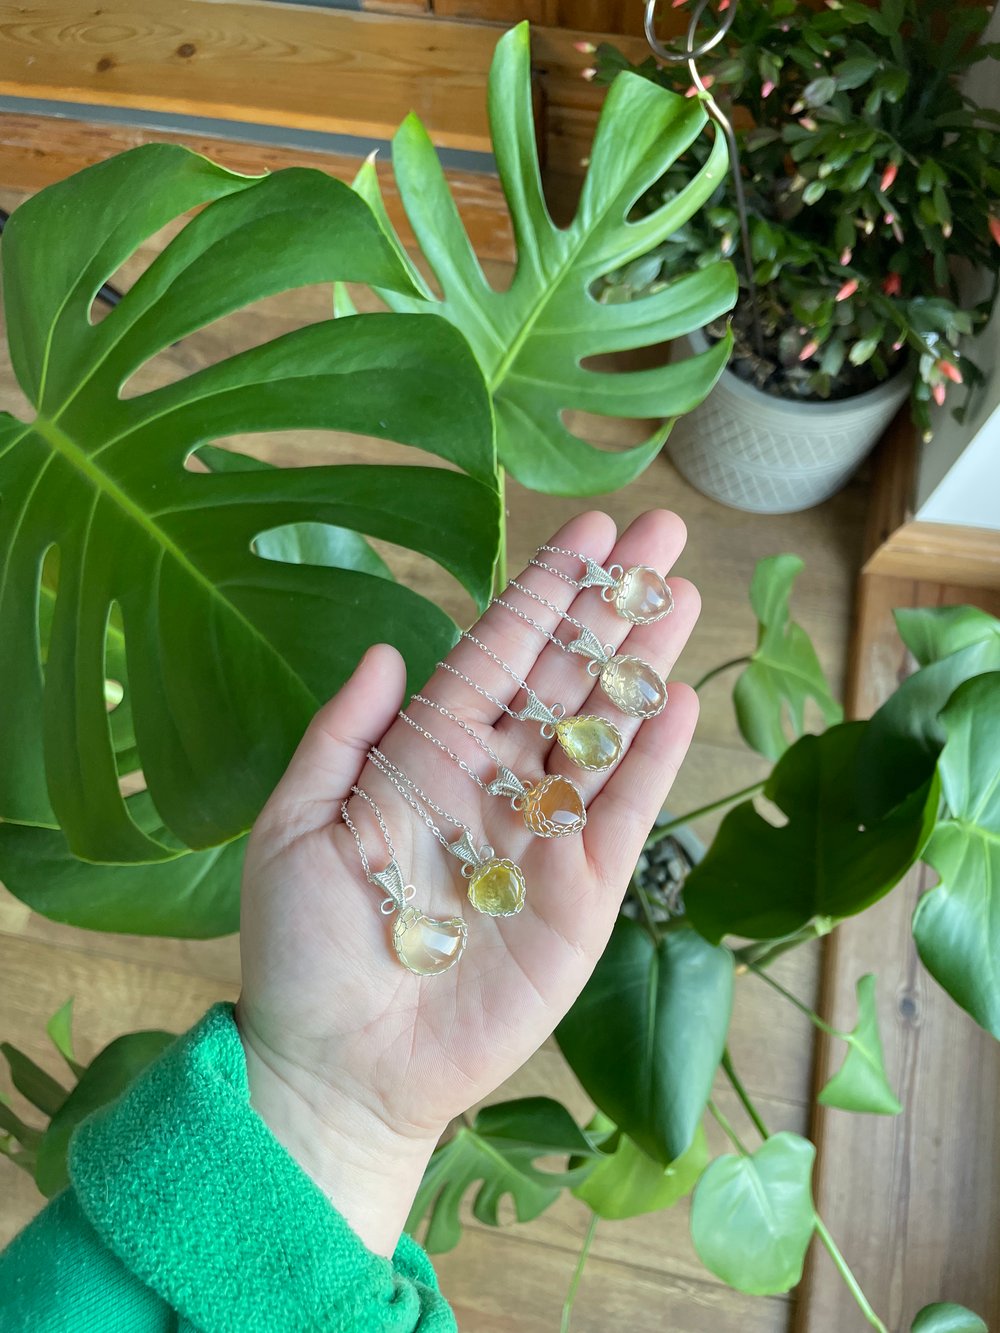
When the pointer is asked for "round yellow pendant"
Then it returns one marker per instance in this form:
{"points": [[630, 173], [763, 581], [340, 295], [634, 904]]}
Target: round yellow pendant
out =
{"points": [[497, 887], [427, 945], [553, 808], [591, 742]]}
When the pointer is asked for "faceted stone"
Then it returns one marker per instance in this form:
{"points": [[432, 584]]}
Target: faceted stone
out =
{"points": [[554, 808], [633, 686], [591, 742], [497, 888], [642, 596], [427, 945]]}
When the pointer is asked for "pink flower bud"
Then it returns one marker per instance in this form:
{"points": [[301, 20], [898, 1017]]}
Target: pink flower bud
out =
{"points": [[585, 48], [892, 284], [994, 225], [950, 371], [938, 393], [898, 346], [767, 88], [946, 230], [588, 74], [678, 4], [848, 289], [809, 350], [888, 176], [723, 6], [890, 218], [846, 255], [808, 123]]}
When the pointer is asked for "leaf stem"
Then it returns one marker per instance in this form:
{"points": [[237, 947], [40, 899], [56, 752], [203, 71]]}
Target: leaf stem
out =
{"points": [[588, 1240], [762, 954], [728, 1130], [642, 898], [717, 671], [744, 1096], [500, 568], [850, 1281], [664, 830], [802, 1007]]}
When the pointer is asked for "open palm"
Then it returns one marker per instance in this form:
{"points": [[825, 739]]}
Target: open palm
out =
{"points": [[323, 994]]}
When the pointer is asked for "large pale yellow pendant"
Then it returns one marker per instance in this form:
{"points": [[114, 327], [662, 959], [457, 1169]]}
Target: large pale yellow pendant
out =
{"points": [[590, 742], [553, 808], [427, 945], [642, 596], [633, 686], [497, 887]]}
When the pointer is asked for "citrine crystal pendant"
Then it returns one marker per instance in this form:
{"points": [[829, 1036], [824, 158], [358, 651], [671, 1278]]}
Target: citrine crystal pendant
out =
{"points": [[630, 683], [553, 808], [638, 594], [427, 945], [496, 885], [590, 742]]}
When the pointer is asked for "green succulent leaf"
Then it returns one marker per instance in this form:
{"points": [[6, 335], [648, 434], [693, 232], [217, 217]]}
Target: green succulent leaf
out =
{"points": [[944, 1317], [228, 654], [646, 1034], [784, 671], [497, 1155], [934, 632], [752, 1216], [105, 1078], [764, 881], [26, 1135], [861, 1083], [33, 1082], [193, 896], [627, 1182], [60, 1031], [906, 735], [957, 925], [531, 339]]}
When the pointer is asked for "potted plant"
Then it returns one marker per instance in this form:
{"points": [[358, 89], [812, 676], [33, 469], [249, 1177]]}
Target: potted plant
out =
{"points": [[871, 183]]}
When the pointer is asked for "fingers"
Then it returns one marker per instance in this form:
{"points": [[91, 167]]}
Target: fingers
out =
{"points": [[622, 815], [333, 750]]}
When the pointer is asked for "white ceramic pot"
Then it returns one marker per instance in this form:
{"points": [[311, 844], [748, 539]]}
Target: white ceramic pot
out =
{"points": [[772, 455]]}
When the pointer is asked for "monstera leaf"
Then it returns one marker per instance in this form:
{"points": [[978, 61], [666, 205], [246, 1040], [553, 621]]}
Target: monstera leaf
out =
{"points": [[223, 651], [531, 339], [861, 1083]]}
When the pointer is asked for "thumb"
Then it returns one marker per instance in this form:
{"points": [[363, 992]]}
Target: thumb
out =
{"points": [[333, 750]]}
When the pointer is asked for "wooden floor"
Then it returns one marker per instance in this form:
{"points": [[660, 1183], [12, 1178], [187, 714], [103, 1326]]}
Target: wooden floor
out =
{"points": [[642, 1275]]}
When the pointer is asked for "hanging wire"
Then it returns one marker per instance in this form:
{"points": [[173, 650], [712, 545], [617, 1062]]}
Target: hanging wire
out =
{"points": [[692, 52]]}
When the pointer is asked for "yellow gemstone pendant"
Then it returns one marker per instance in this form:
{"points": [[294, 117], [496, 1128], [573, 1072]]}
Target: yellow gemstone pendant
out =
{"points": [[633, 686], [553, 808], [426, 945], [590, 742], [497, 887]]}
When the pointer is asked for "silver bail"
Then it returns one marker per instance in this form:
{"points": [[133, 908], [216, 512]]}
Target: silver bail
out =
{"points": [[595, 576], [536, 711], [589, 645], [506, 783], [391, 881], [465, 850]]}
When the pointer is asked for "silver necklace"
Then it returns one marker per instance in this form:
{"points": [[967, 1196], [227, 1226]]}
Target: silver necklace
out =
{"points": [[630, 683], [639, 594], [552, 807], [425, 945], [590, 742], [496, 884]]}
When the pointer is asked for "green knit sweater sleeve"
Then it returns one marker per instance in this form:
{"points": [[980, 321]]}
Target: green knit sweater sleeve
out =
{"points": [[185, 1213]]}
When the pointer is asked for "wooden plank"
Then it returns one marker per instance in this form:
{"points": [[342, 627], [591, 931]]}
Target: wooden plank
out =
{"points": [[941, 553], [911, 1199], [37, 150]]}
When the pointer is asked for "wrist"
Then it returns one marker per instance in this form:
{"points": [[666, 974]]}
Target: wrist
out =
{"points": [[369, 1170]]}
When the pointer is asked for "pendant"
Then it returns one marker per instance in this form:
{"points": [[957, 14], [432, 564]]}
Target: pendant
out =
{"points": [[590, 742], [496, 885], [638, 594], [551, 808], [425, 945], [630, 683]]}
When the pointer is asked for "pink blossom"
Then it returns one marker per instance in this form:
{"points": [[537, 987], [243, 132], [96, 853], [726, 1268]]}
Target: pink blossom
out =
{"points": [[946, 230], [767, 88], [994, 225], [588, 74], [846, 255], [585, 48], [898, 346], [892, 285], [888, 176], [950, 371], [809, 350], [808, 123], [938, 393], [848, 289]]}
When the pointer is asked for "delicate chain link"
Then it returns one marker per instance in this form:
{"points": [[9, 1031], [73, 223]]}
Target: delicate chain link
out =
{"points": [[440, 744], [544, 601], [559, 573], [356, 791], [446, 666], [466, 634], [414, 795]]}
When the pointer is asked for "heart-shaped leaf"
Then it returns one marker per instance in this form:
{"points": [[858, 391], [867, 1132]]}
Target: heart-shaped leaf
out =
{"points": [[646, 1034], [861, 1083], [764, 882], [934, 632], [944, 1317], [531, 339], [784, 671], [104, 1079], [752, 1216], [228, 653], [497, 1154], [957, 925], [628, 1182]]}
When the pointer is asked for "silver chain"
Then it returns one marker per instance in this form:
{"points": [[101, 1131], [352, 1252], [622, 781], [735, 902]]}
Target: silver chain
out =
{"points": [[356, 791], [412, 794], [561, 574], [542, 601], [446, 666], [419, 698]]}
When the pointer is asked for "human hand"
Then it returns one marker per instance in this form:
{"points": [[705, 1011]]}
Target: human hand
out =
{"points": [[356, 1064]]}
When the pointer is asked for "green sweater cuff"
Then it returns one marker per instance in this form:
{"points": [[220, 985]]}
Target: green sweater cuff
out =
{"points": [[186, 1184]]}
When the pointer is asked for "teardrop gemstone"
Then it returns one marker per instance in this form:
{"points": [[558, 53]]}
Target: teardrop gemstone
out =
{"points": [[642, 596], [497, 888], [591, 742], [633, 686], [553, 808], [427, 945]]}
